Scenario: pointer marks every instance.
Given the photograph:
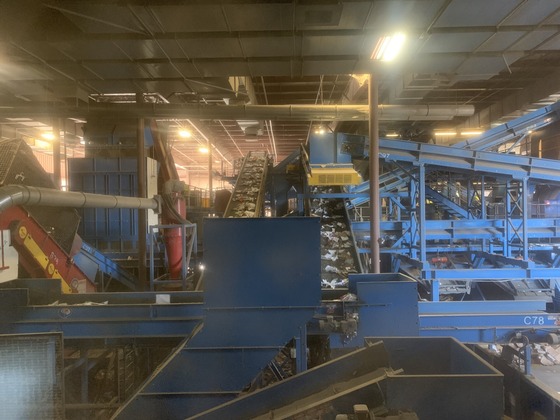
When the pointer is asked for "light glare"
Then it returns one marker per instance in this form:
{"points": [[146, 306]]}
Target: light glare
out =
{"points": [[388, 47], [185, 134]]}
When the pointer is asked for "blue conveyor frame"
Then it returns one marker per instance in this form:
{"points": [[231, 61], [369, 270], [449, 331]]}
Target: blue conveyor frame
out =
{"points": [[514, 234]]}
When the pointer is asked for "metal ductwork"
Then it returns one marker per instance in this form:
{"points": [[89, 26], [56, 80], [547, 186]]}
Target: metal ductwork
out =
{"points": [[16, 195], [246, 112]]}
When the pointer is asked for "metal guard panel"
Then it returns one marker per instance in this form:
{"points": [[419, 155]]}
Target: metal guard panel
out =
{"points": [[272, 262], [334, 176]]}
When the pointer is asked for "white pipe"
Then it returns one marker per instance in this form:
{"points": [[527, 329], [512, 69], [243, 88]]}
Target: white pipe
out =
{"points": [[248, 112], [16, 195]]}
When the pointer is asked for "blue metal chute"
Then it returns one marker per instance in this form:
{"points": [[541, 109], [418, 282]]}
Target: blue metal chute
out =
{"points": [[90, 260], [257, 298], [389, 373]]}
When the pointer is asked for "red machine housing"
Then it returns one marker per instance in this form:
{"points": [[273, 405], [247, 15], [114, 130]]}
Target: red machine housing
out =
{"points": [[40, 255]]}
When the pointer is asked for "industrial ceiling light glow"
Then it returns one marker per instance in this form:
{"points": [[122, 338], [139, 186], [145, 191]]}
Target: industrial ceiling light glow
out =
{"points": [[320, 129], [471, 133], [185, 134], [445, 133], [392, 135], [388, 47], [203, 149], [48, 136]]}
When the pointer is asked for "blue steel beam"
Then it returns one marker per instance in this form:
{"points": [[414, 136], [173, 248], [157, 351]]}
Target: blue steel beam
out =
{"points": [[104, 321], [468, 274], [490, 327], [469, 229], [497, 164], [481, 307]]}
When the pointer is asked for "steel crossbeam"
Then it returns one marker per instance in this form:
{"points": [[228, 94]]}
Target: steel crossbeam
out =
{"points": [[104, 321], [488, 327]]}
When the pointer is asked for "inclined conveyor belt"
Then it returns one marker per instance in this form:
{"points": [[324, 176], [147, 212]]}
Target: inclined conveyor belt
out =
{"points": [[339, 256], [248, 195]]}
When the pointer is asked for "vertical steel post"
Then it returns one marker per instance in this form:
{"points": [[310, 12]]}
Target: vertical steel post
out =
{"points": [[301, 350], [84, 394], [528, 356], [210, 186], [483, 210], [56, 154], [374, 174], [142, 214], [422, 211], [507, 221], [524, 197]]}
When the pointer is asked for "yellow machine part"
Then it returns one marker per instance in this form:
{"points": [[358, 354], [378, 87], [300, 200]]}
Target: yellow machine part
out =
{"points": [[333, 176], [39, 256]]}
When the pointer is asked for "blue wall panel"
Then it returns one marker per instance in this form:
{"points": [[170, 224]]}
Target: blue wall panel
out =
{"points": [[109, 230]]}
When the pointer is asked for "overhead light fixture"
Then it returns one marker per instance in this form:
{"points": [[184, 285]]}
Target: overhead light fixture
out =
{"points": [[48, 136], [320, 129], [471, 133], [445, 133], [392, 135], [388, 47], [185, 134], [203, 149]]}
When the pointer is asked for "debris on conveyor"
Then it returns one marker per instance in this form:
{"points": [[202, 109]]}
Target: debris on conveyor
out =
{"points": [[247, 198], [541, 353], [337, 246]]}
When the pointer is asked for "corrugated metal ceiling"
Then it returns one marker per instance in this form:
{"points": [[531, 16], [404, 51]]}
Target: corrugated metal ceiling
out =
{"points": [[478, 52]]}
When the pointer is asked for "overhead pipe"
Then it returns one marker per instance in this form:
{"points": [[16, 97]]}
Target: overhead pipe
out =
{"points": [[24, 195], [245, 112]]}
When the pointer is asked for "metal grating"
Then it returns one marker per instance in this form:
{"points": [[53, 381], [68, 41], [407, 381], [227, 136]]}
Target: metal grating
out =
{"points": [[8, 150], [31, 376], [18, 165]]}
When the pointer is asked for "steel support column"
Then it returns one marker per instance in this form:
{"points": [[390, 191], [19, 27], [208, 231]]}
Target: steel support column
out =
{"points": [[56, 153], [301, 350], [524, 197], [142, 214], [210, 184], [375, 266]]}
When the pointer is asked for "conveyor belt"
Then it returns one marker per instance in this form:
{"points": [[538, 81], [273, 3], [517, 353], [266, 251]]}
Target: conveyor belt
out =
{"points": [[339, 256], [519, 127], [248, 195]]}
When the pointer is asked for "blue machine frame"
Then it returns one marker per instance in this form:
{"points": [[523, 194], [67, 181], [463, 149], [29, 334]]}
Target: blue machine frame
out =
{"points": [[257, 298]]}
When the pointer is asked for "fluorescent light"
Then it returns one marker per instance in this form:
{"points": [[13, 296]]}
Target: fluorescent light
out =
{"points": [[392, 135], [185, 134], [203, 149], [388, 47], [48, 136], [471, 133], [445, 133]]}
